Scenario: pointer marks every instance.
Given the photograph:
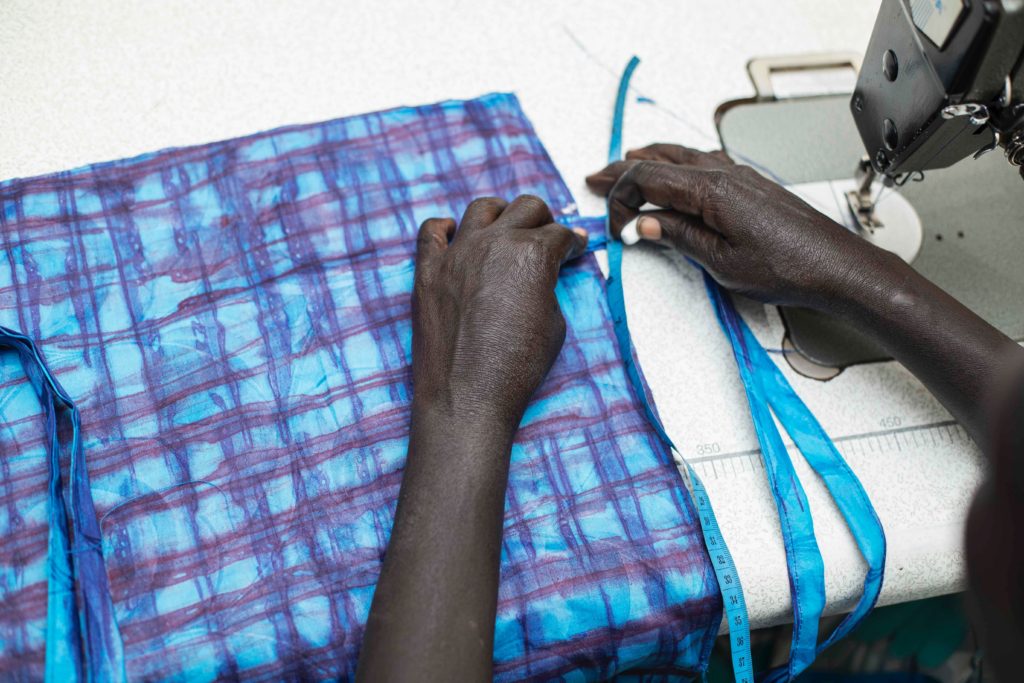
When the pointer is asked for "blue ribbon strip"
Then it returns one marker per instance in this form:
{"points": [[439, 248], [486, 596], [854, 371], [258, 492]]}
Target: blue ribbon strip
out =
{"points": [[774, 391], [806, 569], [767, 392], [82, 638]]}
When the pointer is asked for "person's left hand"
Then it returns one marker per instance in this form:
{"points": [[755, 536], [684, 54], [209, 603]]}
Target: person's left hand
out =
{"points": [[486, 329], [486, 323]]}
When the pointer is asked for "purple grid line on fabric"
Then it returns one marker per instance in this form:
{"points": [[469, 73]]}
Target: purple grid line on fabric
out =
{"points": [[233, 322]]}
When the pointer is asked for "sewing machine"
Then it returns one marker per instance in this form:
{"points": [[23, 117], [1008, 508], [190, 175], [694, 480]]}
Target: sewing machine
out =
{"points": [[940, 81]]}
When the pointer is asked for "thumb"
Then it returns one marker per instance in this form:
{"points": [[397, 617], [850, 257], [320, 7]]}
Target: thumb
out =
{"points": [[686, 233]]}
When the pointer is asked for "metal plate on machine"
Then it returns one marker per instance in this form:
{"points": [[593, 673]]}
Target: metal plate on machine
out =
{"points": [[972, 214]]}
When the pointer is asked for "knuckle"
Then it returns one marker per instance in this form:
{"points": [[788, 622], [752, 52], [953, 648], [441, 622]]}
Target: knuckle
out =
{"points": [[747, 173], [716, 259], [486, 202], [639, 173], [718, 190], [717, 186], [644, 168], [532, 202], [642, 152], [716, 182], [631, 173], [430, 224], [535, 248], [627, 190], [537, 256], [560, 242]]}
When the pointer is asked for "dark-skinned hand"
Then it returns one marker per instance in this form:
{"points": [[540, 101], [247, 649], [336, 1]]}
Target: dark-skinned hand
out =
{"points": [[751, 234], [486, 324], [486, 329]]}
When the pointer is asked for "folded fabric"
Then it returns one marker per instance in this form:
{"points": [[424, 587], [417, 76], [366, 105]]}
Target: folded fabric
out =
{"points": [[233, 323]]}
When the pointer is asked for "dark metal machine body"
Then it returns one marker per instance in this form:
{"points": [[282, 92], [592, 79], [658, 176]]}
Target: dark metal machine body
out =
{"points": [[941, 80]]}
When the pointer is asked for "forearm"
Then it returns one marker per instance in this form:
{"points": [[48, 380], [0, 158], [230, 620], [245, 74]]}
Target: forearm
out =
{"points": [[433, 611], [958, 356]]}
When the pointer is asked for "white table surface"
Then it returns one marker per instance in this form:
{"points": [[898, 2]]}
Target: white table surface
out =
{"points": [[91, 81]]}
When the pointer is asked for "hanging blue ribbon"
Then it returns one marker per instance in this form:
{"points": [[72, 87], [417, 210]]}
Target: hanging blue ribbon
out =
{"points": [[82, 638], [767, 391]]}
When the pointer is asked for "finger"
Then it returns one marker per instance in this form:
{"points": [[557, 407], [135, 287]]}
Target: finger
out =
{"points": [[565, 244], [687, 189], [677, 154], [526, 211], [431, 243], [482, 212], [686, 233], [603, 181]]}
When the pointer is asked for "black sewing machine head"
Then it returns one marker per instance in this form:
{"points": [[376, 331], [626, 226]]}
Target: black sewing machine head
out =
{"points": [[941, 80]]}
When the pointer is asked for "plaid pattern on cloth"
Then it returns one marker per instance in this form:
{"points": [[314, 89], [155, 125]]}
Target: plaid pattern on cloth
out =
{"points": [[233, 321]]}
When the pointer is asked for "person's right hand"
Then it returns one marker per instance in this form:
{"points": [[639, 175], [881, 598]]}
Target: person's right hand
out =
{"points": [[751, 234]]}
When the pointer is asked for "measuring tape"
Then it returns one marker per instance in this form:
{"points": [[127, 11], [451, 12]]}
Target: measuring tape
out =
{"points": [[721, 559], [728, 581]]}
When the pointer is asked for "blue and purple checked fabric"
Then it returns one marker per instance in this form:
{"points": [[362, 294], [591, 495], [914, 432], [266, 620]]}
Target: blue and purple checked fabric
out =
{"points": [[233, 322]]}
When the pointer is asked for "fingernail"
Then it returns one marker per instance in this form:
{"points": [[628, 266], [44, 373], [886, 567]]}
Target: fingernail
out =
{"points": [[581, 232], [649, 228]]}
